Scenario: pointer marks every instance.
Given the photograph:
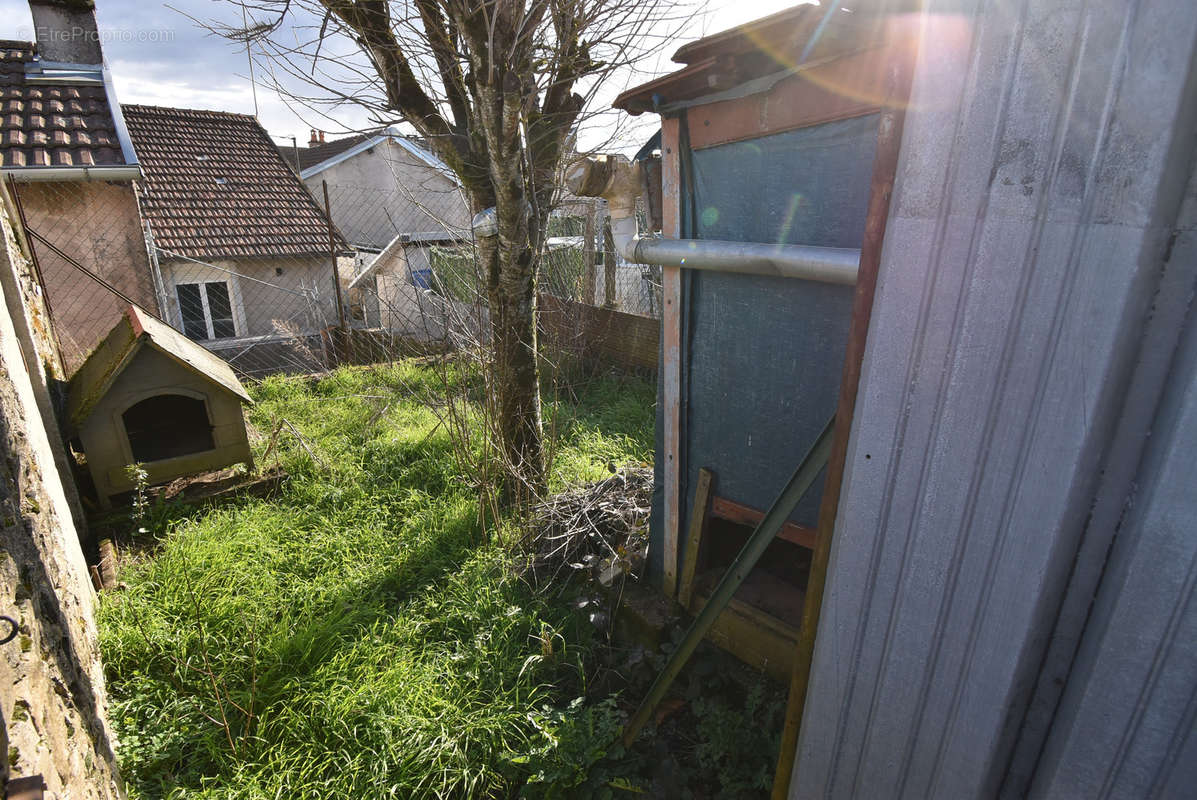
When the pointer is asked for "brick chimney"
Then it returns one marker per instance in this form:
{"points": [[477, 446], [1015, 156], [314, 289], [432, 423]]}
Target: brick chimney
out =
{"points": [[313, 141], [66, 31]]}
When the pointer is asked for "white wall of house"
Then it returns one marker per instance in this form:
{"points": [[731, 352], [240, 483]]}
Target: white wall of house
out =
{"points": [[416, 313], [382, 192], [296, 291]]}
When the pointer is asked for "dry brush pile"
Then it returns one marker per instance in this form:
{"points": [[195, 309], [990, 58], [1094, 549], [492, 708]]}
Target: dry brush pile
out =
{"points": [[600, 530]]}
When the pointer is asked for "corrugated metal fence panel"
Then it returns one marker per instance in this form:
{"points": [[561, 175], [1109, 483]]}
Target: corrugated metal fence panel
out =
{"points": [[1127, 725], [1030, 217]]}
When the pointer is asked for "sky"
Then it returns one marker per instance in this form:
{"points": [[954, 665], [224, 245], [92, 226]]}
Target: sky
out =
{"points": [[158, 56]]}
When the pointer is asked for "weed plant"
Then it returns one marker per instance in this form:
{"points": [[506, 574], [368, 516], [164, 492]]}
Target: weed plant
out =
{"points": [[360, 635], [357, 635]]}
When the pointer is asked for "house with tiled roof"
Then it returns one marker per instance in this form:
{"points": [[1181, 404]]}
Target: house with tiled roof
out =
{"points": [[388, 194], [63, 140], [319, 149], [242, 248], [382, 184]]}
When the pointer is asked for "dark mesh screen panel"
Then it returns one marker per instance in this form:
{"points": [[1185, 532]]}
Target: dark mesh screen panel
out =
{"points": [[761, 356], [807, 186]]}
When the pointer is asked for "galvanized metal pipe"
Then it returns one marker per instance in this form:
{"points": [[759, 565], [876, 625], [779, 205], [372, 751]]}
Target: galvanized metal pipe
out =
{"points": [[618, 181], [824, 264]]}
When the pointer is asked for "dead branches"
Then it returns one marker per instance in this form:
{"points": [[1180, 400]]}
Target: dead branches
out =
{"points": [[600, 529]]}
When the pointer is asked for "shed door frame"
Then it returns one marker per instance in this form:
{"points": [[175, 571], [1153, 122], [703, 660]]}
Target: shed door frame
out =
{"points": [[892, 65], [881, 72]]}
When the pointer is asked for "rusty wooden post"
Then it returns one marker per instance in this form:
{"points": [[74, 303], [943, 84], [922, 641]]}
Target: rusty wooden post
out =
{"points": [[671, 336], [340, 337], [698, 522]]}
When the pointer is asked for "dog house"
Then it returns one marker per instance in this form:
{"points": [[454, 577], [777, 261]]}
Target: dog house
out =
{"points": [[149, 395]]}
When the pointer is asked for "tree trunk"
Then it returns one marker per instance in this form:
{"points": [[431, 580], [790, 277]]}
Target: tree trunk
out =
{"points": [[515, 372]]}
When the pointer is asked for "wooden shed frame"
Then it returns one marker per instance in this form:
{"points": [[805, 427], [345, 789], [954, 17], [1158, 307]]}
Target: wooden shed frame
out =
{"points": [[860, 67], [848, 68]]}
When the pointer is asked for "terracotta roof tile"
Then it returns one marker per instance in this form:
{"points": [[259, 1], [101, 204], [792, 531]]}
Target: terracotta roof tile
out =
{"points": [[215, 186], [36, 116]]}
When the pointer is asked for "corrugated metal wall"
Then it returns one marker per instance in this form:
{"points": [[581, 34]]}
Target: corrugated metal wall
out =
{"points": [[1043, 165], [1127, 725]]}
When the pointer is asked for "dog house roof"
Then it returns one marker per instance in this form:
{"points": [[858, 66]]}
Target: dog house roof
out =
{"points": [[135, 330]]}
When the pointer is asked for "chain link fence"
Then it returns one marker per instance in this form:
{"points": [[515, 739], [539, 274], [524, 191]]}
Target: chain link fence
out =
{"points": [[398, 276]]}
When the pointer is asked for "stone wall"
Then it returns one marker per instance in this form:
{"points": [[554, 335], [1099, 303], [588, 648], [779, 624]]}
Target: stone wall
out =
{"points": [[52, 696]]}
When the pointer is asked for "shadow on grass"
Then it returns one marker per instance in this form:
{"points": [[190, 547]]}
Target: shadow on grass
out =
{"points": [[336, 618], [294, 645]]}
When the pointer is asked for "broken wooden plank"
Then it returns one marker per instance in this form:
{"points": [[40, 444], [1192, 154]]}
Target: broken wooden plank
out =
{"points": [[804, 476], [732, 511], [698, 523], [107, 562]]}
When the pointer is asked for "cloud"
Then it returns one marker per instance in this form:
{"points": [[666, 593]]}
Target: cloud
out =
{"points": [[158, 56]]}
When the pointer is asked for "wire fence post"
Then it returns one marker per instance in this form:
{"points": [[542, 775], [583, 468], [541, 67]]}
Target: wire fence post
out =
{"points": [[609, 265], [342, 334], [588, 273]]}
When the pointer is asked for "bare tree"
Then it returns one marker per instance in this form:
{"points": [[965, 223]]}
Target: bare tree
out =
{"points": [[497, 88]]}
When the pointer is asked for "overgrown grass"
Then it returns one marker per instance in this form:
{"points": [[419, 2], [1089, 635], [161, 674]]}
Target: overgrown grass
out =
{"points": [[357, 635]]}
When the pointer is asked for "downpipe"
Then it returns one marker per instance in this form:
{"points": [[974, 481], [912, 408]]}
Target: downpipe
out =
{"points": [[618, 181]]}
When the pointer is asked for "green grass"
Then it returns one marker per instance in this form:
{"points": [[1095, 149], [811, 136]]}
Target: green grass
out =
{"points": [[357, 635]]}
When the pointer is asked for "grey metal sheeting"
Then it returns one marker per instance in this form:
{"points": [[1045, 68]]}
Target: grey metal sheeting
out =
{"points": [[1043, 161]]}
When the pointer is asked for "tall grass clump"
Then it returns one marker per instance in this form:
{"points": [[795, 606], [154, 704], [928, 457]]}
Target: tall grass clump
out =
{"points": [[359, 634]]}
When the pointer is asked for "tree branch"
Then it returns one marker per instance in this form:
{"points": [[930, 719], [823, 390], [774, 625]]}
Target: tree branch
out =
{"points": [[370, 22], [441, 39]]}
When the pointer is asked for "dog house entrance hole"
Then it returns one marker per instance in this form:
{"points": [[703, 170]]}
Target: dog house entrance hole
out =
{"points": [[167, 426]]}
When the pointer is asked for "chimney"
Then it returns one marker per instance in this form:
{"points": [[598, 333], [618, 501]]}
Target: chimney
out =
{"points": [[321, 137], [66, 31], [313, 141]]}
